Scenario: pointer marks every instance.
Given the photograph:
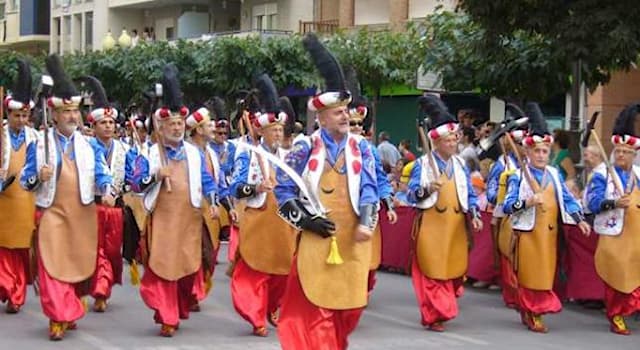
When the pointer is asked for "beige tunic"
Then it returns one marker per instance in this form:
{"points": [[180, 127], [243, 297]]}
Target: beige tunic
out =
{"points": [[337, 287], [537, 250], [175, 242], [17, 207], [618, 257], [441, 244], [68, 231], [267, 244]]}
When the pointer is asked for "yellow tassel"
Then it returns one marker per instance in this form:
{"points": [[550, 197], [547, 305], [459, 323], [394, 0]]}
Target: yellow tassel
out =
{"points": [[334, 257], [85, 304], [134, 273]]}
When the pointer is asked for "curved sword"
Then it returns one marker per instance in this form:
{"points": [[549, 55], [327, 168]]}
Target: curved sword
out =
{"points": [[297, 179]]}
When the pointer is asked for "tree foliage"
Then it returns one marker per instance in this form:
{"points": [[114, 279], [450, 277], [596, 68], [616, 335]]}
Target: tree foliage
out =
{"points": [[603, 35], [225, 65], [519, 66]]}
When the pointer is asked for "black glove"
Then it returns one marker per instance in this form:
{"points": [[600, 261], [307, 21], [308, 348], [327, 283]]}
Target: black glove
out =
{"points": [[245, 190], [422, 193], [32, 184], [607, 204], [295, 214], [146, 182]]}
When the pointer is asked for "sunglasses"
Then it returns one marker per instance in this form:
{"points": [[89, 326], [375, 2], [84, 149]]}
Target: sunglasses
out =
{"points": [[221, 133], [354, 123]]}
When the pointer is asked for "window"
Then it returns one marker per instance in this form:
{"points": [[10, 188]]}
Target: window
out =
{"points": [[14, 5], [169, 32], [265, 17], [3, 7], [88, 31]]}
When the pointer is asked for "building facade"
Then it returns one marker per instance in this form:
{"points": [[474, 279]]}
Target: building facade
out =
{"points": [[24, 25], [81, 25], [330, 15]]}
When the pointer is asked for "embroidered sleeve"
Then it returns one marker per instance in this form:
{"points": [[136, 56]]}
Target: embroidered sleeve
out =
{"points": [[297, 159], [368, 183], [512, 202]]}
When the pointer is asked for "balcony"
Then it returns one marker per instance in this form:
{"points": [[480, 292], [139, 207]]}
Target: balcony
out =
{"points": [[324, 27], [240, 34]]}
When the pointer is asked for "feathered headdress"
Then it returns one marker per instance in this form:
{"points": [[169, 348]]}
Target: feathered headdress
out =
{"points": [[101, 106], [20, 98], [64, 93], [359, 106], [335, 93], [624, 130], [172, 106], [287, 108], [441, 122], [271, 114], [218, 108], [538, 131]]}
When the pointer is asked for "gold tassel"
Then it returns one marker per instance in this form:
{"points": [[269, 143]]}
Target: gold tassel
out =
{"points": [[85, 303], [334, 257], [134, 273]]}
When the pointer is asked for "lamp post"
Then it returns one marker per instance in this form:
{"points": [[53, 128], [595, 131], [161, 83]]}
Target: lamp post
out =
{"points": [[124, 40], [108, 42]]}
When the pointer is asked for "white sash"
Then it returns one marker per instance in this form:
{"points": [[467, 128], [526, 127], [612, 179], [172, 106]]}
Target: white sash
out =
{"points": [[195, 177], [611, 222], [85, 163], [459, 176]]}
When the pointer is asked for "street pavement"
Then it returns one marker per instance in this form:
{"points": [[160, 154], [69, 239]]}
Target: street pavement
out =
{"points": [[391, 321]]}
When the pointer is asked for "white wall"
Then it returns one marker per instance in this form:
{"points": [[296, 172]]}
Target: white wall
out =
{"points": [[192, 24], [371, 12], [290, 12], [299, 10], [422, 8]]}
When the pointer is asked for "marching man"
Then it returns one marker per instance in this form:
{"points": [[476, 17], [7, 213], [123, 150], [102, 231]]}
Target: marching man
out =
{"points": [[16, 203], [65, 170], [175, 181], [442, 188], [538, 200], [502, 231], [360, 122], [614, 197], [200, 128], [103, 117], [265, 250], [327, 286]]}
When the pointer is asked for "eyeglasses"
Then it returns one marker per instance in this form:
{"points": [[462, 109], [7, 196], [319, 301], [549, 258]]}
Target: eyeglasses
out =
{"points": [[354, 123], [221, 133]]}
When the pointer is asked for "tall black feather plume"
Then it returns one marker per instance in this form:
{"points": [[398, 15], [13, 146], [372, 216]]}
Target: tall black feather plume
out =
{"points": [[285, 105], [99, 96], [537, 124], [625, 122], [325, 62], [171, 93], [268, 93], [22, 86], [218, 108], [353, 85], [62, 85], [437, 112]]}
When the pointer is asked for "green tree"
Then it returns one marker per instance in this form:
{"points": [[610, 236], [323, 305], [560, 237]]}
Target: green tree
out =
{"points": [[593, 38], [520, 66], [381, 58]]}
